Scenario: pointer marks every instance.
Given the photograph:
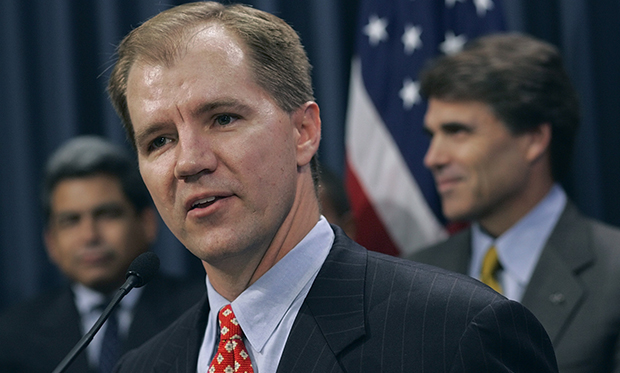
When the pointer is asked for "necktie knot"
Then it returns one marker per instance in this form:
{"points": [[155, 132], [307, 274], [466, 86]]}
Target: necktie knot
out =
{"points": [[490, 266], [231, 355], [229, 326]]}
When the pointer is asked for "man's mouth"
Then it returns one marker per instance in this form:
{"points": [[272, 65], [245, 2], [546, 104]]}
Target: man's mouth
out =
{"points": [[202, 203], [447, 184], [96, 258]]}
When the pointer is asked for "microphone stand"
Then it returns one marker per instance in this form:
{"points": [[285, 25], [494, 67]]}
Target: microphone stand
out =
{"points": [[130, 283]]}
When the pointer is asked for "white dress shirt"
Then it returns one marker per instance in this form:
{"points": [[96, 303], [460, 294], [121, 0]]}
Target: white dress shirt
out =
{"points": [[520, 246], [267, 309], [88, 303]]}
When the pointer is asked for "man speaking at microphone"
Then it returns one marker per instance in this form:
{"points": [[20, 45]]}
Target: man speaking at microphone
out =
{"points": [[219, 103], [99, 219]]}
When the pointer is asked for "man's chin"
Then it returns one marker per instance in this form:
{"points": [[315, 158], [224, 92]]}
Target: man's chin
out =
{"points": [[458, 215], [104, 285]]}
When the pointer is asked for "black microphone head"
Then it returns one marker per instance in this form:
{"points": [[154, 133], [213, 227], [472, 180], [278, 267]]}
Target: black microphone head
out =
{"points": [[144, 267]]}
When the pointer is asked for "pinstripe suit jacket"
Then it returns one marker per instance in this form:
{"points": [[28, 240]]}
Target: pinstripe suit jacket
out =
{"points": [[367, 312], [574, 290]]}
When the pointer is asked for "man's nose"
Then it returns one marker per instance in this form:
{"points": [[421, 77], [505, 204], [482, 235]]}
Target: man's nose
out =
{"points": [[194, 155], [89, 229], [436, 155]]}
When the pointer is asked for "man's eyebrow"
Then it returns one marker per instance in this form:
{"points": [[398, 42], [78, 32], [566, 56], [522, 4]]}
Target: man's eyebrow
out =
{"points": [[215, 105], [452, 125], [109, 205], [64, 213], [144, 135]]}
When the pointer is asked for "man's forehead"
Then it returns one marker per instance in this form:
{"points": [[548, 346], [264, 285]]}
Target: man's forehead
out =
{"points": [[211, 56], [100, 183], [465, 109]]}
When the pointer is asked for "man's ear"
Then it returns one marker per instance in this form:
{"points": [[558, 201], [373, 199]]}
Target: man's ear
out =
{"points": [[540, 141], [308, 126]]}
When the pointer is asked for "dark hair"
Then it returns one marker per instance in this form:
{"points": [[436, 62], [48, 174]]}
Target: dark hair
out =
{"points": [[522, 79], [86, 156], [277, 58]]}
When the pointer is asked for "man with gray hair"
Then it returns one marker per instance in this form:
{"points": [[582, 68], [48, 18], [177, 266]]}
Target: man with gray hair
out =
{"points": [[99, 218]]}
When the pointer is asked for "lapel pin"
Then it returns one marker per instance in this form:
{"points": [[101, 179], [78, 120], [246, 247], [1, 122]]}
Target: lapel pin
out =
{"points": [[557, 298]]}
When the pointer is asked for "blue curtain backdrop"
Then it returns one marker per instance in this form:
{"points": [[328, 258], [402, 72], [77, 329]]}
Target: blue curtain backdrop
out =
{"points": [[54, 61]]}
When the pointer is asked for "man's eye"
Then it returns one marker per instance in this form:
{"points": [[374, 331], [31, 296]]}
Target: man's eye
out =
{"points": [[224, 119], [67, 221], [110, 213], [456, 129], [158, 142]]}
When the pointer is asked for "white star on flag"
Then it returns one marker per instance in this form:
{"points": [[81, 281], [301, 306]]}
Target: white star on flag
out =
{"points": [[482, 6], [450, 3], [410, 93], [411, 38], [452, 44], [375, 29]]}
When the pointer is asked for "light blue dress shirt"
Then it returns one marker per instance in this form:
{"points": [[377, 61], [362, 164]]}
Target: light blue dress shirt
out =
{"points": [[88, 303], [267, 309], [520, 246]]}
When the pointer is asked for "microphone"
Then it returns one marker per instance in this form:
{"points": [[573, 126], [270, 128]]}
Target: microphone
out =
{"points": [[140, 271]]}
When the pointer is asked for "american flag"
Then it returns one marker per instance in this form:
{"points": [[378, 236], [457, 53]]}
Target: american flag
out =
{"points": [[393, 197]]}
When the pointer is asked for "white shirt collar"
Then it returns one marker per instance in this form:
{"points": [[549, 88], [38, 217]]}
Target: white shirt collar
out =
{"points": [[520, 246], [88, 300], [261, 307]]}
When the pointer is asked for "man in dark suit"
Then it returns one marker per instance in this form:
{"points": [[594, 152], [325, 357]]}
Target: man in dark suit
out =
{"points": [[502, 116], [218, 101], [99, 218]]}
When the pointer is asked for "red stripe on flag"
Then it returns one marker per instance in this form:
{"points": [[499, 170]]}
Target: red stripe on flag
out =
{"points": [[370, 231]]}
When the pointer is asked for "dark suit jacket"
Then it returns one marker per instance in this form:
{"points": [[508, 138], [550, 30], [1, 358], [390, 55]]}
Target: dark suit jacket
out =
{"points": [[574, 290], [368, 312], [36, 335]]}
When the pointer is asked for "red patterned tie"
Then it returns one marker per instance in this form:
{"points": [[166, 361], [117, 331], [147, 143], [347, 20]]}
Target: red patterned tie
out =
{"points": [[231, 355]]}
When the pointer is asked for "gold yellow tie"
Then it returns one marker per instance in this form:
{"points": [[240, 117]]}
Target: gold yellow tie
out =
{"points": [[490, 266]]}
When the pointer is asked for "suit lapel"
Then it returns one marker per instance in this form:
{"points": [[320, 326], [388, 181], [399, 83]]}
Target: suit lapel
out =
{"points": [[60, 329], [146, 316], [307, 349], [554, 291], [332, 316], [184, 342], [150, 314]]}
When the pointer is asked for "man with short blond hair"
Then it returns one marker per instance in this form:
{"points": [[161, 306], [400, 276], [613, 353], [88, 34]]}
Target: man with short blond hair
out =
{"points": [[219, 101]]}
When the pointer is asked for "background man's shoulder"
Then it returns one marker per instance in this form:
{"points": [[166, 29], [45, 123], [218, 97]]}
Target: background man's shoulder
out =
{"points": [[453, 253]]}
